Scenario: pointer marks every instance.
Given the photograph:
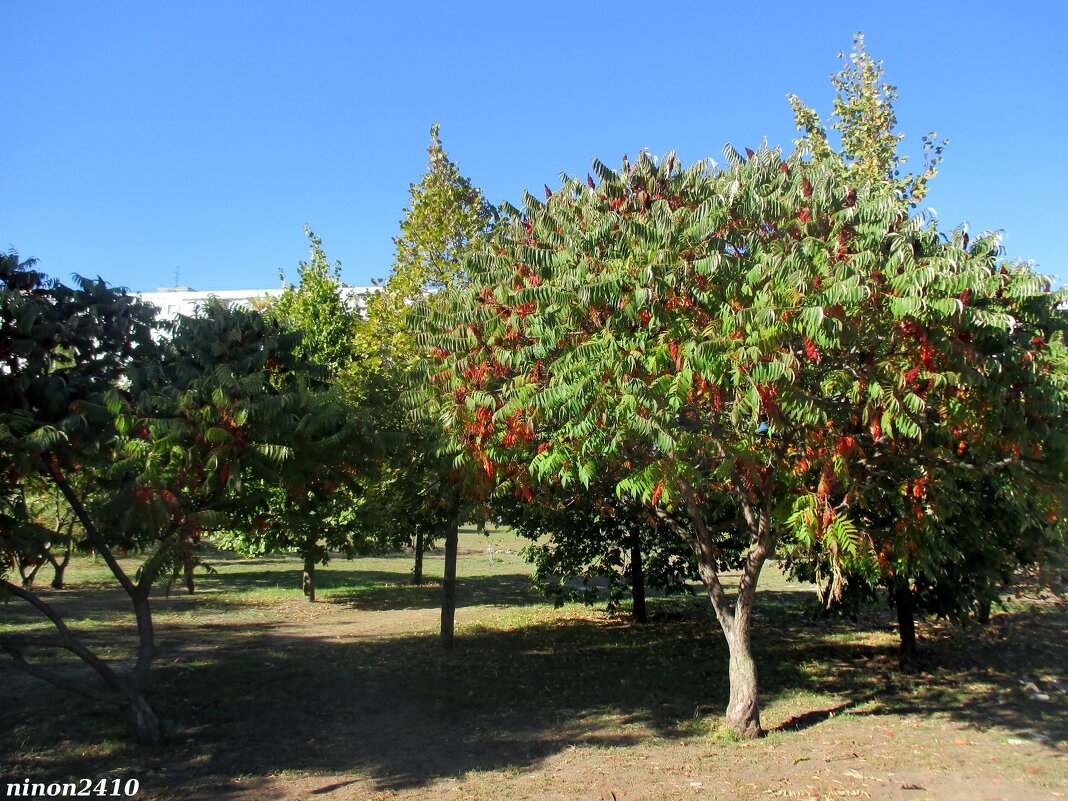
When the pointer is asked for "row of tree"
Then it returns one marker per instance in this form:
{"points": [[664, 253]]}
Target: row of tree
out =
{"points": [[269, 430]]}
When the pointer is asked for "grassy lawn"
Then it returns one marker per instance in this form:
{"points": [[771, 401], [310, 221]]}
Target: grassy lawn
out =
{"points": [[267, 696]]}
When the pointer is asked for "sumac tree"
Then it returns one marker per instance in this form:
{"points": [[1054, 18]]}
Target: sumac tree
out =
{"points": [[744, 347], [946, 535]]}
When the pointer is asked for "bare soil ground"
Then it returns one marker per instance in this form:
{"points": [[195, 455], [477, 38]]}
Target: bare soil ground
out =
{"points": [[268, 697]]}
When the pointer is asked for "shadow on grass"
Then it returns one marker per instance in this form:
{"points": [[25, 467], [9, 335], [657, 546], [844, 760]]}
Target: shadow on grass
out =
{"points": [[400, 711], [378, 591], [106, 605]]}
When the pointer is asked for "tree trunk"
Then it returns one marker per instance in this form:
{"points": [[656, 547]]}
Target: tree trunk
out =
{"points": [[417, 573], [637, 577], [145, 722], [982, 611], [906, 627], [124, 691], [743, 706], [307, 581], [27, 578], [146, 636], [448, 584], [143, 718], [61, 567]]}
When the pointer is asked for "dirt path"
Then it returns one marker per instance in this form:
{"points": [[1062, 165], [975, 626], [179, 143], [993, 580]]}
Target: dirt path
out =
{"points": [[886, 757], [898, 760]]}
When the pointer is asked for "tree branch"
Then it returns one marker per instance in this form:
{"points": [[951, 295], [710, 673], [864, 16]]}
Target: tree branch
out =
{"points": [[70, 642], [707, 562], [19, 661], [92, 532]]}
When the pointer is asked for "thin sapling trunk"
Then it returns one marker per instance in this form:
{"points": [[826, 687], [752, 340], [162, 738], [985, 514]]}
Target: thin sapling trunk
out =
{"points": [[906, 627], [307, 580], [187, 568], [59, 566]]}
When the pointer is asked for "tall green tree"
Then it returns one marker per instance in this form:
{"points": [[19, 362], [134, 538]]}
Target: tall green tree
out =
{"points": [[319, 508], [328, 318], [447, 218]]}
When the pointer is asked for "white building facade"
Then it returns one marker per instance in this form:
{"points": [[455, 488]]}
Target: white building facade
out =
{"points": [[175, 301]]}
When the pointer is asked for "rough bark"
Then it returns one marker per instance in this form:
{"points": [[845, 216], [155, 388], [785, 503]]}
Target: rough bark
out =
{"points": [[637, 578], [417, 573], [982, 611], [448, 584], [307, 579], [743, 706], [906, 627]]}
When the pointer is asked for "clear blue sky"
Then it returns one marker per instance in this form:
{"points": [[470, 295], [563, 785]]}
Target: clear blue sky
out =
{"points": [[141, 137]]}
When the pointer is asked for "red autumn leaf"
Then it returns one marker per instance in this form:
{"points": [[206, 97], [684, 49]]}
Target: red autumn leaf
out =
{"points": [[927, 354], [811, 350]]}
